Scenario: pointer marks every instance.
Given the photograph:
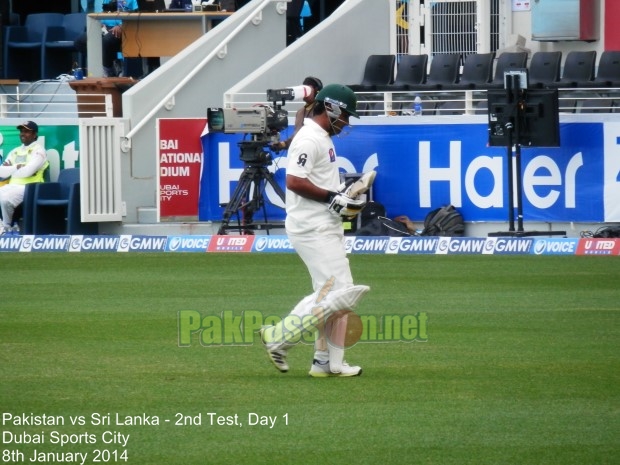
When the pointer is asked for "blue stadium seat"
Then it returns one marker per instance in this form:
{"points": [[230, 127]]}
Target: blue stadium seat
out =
{"points": [[57, 206], [24, 46], [59, 53]]}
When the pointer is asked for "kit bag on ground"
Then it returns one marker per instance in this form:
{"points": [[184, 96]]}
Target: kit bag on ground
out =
{"points": [[375, 223], [371, 211], [382, 226], [607, 232], [444, 221]]}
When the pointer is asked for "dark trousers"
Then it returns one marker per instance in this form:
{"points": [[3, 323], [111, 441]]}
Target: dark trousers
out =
{"points": [[110, 46]]}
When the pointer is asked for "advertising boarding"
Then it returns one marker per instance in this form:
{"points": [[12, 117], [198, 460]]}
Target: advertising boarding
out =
{"points": [[423, 166]]}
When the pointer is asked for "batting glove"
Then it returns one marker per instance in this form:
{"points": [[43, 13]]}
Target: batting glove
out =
{"points": [[344, 205], [354, 189]]}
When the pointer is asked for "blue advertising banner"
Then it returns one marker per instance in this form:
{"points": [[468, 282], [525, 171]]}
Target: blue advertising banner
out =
{"points": [[423, 166], [281, 244]]}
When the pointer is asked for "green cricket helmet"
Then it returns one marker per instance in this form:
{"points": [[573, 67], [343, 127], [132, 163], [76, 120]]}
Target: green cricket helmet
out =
{"points": [[340, 98]]}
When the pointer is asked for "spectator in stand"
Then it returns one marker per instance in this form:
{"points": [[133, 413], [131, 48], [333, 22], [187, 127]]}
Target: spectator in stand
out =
{"points": [[112, 33]]}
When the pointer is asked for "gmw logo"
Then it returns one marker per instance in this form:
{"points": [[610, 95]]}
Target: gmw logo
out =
{"points": [[44, 243], [507, 245], [425, 245]]}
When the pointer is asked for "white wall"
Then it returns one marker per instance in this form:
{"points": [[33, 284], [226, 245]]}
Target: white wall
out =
{"points": [[255, 60], [205, 89], [521, 24]]}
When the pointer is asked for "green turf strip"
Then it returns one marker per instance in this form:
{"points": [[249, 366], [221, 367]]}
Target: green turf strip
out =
{"points": [[521, 364]]}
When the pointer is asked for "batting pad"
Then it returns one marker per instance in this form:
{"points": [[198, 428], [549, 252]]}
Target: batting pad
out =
{"points": [[310, 318], [344, 329]]}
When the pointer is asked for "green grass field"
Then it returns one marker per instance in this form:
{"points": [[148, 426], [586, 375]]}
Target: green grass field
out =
{"points": [[521, 365]]}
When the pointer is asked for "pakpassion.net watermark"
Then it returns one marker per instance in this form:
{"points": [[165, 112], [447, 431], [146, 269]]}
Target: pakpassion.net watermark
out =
{"points": [[229, 328]]}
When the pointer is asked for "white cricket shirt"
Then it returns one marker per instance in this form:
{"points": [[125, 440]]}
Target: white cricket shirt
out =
{"points": [[311, 155]]}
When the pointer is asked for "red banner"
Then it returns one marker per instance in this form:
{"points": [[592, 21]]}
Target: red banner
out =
{"points": [[179, 156], [231, 244], [598, 246], [612, 32]]}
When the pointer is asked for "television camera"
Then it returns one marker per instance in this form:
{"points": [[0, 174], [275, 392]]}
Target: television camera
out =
{"points": [[262, 123]]}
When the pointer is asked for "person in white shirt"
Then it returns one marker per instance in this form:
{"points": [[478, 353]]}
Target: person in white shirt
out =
{"points": [[23, 165], [314, 211]]}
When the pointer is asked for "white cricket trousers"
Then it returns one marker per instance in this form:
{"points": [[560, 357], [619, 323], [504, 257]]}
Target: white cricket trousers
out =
{"points": [[324, 256], [11, 195]]}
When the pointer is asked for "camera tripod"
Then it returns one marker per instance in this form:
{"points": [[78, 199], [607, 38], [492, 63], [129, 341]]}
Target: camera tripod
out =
{"points": [[248, 198]]}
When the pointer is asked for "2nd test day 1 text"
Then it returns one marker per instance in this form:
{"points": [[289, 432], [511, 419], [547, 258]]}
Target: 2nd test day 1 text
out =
{"points": [[108, 419], [211, 419]]}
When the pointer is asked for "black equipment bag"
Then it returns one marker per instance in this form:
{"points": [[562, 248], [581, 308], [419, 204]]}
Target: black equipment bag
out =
{"points": [[444, 221], [382, 226], [371, 211], [373, 222], [608, 232]]}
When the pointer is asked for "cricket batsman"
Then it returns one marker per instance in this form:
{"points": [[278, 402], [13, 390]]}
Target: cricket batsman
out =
{"points": [[316, 202]]}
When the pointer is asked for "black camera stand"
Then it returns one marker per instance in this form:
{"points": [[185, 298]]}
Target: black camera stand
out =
{"points": [[510, 128], [248, 195]]}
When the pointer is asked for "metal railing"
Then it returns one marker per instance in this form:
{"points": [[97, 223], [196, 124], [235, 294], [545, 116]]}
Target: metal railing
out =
{"points": [[435, 102], [450, 102], [37, 105], [474, 102]]}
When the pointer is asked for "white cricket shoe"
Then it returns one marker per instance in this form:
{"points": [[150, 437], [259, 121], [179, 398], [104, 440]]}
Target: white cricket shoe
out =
{"points": [[277, 356], [322, 370]]}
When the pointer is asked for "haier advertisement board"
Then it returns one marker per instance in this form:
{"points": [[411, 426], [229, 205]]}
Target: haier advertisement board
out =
{"points": [[423, 166]]}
